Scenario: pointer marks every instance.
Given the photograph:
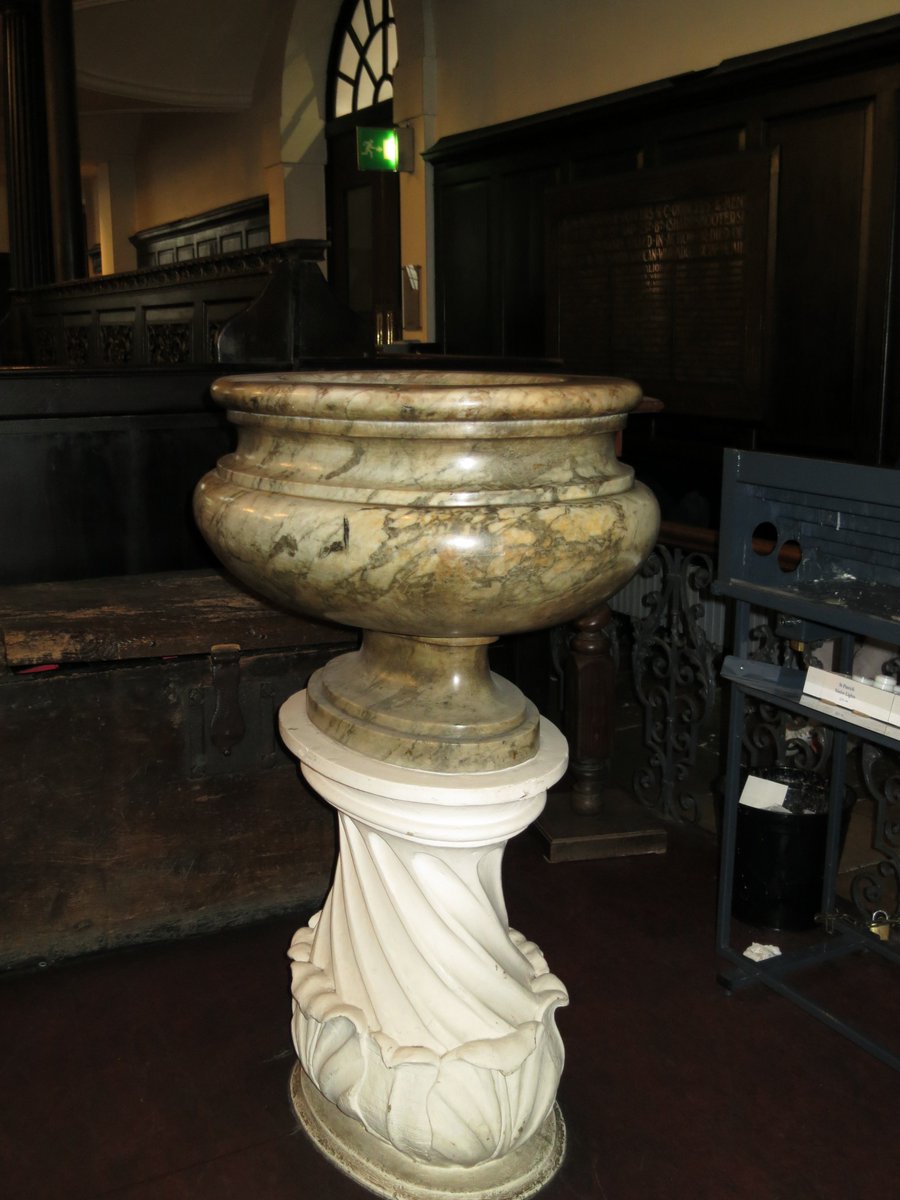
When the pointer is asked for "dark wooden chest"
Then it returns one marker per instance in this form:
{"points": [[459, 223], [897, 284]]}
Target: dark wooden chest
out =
{"points": [[144, 791]]}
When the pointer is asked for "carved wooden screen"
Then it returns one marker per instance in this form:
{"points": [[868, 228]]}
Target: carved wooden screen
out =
{"points": [[660, 276]]}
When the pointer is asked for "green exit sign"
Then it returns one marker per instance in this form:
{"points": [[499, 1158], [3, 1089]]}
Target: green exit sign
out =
{"points": [[377, 149]]}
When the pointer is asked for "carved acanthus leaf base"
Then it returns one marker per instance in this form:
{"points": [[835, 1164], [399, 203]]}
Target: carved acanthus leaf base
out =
{"points": [[386, 1172], [418, 1012]]}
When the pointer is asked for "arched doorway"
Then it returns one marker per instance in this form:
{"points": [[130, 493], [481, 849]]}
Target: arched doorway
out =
{"points": [[363, 206]]}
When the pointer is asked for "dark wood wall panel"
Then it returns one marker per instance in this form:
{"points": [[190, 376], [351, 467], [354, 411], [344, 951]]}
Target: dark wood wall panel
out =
{"points": [[159, 316], [225, 230], [708, 143], [523, 259], [468, 303], [661, 277], [609, 162], [825, 113], [89, 496], [818, 286]]}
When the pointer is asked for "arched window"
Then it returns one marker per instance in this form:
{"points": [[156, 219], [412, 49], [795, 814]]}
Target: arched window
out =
{"points": [[363, 56]]}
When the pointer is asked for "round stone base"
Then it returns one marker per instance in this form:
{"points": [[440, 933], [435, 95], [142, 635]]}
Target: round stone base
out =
{"points": [[385, 1171], [432, 704]]}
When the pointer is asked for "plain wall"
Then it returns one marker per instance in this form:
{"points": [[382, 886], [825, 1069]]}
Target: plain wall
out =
{"points": [[187, 163], [502, 59]]}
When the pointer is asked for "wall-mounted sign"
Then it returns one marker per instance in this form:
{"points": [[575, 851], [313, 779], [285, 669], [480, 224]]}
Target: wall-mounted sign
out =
{"points": [[377, 149]]}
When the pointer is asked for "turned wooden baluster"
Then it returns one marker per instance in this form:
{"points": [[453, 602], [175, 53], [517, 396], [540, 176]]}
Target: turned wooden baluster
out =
{"points": [[591, 818], [590, 701]]}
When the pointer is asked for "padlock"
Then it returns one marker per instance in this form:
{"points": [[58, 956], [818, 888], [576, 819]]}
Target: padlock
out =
{"points": [[880, 925]]}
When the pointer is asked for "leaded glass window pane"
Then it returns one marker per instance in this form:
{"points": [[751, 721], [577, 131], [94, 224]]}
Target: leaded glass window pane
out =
{"points": [[367, 56]]}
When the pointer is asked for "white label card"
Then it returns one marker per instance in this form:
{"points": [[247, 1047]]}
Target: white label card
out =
{"points": [[763, 793]]}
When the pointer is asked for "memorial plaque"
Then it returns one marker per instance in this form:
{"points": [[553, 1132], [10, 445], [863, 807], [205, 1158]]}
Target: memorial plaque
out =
{"points": [[661, 276]]}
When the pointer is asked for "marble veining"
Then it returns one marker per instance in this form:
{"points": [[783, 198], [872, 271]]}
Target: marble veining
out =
{"points": [[425, 396], [427, 504]]}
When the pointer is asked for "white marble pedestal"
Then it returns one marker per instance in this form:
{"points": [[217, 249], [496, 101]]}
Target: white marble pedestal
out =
{"points": [[429, 1054]]}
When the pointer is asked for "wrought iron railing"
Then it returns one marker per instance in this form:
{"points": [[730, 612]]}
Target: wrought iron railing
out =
{"points": [[676, 649], [674, 668]]}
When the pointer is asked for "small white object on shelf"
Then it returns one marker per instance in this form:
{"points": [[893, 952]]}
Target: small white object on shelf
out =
{"points": [[759, 952], [767, 794]]}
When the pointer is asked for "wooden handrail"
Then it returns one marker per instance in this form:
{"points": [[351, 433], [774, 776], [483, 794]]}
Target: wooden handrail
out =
{"points": [[706, 541]]}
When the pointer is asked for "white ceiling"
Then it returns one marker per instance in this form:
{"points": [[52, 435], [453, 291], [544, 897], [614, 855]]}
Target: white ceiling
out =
{"points": [[176, 55]]}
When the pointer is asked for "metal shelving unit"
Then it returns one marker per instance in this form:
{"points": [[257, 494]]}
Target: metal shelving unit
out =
{"points": [[817, 543]]}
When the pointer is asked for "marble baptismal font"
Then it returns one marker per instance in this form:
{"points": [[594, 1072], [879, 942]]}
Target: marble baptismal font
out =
{"points": [[435, 511]]}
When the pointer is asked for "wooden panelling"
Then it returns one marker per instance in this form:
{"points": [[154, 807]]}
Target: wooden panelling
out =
{"points": [[818, 288], [661, 277], [523, 316], [225, 230], [159, 316], [825, 113], [609, 162], [169, 331], [708, 143], [108, 495], [468, 303]]}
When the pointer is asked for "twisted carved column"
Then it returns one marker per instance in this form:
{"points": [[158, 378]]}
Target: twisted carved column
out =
{"points": [[418, 1012]]}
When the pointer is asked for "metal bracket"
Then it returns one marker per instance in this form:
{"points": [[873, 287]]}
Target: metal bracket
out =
{"points": [[797, 629], [227, 726]]}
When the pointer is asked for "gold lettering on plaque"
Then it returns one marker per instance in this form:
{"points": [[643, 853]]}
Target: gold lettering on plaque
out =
{"points": [[656, 291]]}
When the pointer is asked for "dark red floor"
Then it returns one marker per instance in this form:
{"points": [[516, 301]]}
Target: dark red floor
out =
{"points": [[162, 1073]]}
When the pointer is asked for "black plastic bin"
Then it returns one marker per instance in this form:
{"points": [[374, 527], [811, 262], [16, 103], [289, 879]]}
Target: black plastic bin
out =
{"points": [[779, 864]]}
